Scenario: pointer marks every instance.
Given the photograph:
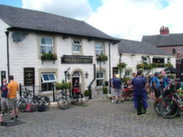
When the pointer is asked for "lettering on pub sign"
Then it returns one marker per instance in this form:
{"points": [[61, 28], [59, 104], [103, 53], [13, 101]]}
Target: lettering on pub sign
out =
{"points": [[76, 59], [29, 76]]}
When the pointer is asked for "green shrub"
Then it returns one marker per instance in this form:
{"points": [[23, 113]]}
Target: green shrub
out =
{"points": [[63, 85], [86, 93], [105, 90]]}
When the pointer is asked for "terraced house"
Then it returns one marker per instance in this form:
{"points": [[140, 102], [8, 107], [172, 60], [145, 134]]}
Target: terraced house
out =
{"points": [[40, 48]]}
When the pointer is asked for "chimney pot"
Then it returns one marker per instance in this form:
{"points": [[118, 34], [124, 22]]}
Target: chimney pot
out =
{"points": [[164, 30]]}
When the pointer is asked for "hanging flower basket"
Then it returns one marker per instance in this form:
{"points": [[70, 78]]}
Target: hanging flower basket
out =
{"points": [[49, 56], [168, 65], [122, 65], [146, 66], [102, 57], [140, 66]]}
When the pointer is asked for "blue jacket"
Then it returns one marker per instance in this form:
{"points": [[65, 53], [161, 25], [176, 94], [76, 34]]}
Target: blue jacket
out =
{"points": [[139, 85]]}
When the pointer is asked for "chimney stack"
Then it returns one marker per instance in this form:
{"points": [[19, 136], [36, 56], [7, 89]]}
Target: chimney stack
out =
{"points": [[164, 30]]}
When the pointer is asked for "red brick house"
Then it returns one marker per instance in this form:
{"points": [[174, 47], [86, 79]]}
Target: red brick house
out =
{"points": [[171, 43]]}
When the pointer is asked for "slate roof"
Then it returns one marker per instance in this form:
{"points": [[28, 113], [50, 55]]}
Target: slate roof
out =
{"points": [[164, 40], [41, 21], [137, 47]]}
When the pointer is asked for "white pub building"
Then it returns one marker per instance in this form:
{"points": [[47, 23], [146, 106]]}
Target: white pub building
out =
{"points": [[40, 48]]}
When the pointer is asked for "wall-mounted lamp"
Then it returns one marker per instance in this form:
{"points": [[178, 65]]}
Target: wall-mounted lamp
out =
{"points": [[86, 75], [68, 75]]}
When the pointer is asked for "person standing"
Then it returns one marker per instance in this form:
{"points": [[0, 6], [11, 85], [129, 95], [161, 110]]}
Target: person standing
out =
{"points": [[112, 89], [117, 88], [4, 96], [140, 95], [165, 80], [156, 85], [12, 95]]}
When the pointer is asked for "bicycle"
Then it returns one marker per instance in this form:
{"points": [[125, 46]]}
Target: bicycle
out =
{"points": [[33, 100], [63, 100], [171, 105]]}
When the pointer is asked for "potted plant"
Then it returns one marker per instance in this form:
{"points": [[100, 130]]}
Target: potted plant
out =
{"points": [[86, 94], [102, 57], [48, 56], [168, 65], [105, 90]]}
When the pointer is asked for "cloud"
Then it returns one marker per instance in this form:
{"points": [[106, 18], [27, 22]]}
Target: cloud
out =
{"points": [[78, 9], [132, 19]]}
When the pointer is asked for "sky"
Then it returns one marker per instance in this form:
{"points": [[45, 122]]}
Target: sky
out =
{"points": [[127, 19]]}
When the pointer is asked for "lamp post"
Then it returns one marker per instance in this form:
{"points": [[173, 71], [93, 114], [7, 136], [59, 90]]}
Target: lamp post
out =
{"points": [[120, 55]]}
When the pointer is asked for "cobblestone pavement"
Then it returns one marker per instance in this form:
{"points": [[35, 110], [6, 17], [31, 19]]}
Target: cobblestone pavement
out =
{"points": [[100, 118]]}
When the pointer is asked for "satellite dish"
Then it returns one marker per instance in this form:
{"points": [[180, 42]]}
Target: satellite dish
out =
{"points": [[18, 36]]}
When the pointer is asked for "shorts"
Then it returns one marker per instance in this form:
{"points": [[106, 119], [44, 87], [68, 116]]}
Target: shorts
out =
{"points": [[117, 92], [112, 92], [13, 103], [4, 103], [157, 92]]}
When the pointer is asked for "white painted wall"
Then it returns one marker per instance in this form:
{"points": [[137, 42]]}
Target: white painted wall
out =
{"points": [[133, 60], [3, 46], [26, 54]]}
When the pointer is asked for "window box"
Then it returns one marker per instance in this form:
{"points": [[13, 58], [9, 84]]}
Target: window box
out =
{"points": [[48, 56], [102, 57]]}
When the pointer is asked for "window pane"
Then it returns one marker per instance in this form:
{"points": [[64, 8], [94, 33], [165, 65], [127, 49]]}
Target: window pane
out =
{"points": [[46, 40], [51, 77], [45, 77], [99, 82], [99, 48], [49, 41], [50, 86], [76, 48], [99, 74], [44, 86], [48, 77]]}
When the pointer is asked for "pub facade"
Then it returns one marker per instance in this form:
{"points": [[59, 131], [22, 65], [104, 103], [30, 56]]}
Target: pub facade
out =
{"points": [[43, 49]]}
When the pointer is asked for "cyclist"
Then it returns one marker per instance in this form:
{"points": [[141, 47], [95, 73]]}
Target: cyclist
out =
{"points": [[140, 95]]}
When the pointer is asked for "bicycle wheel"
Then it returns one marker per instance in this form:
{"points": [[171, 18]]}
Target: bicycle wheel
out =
{"points": [[169, 109], [46, 101], [157, 108], [63, 103], [22, 104]]}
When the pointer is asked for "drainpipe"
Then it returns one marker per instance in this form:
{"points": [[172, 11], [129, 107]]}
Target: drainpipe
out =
{"points": [[8, 60], [109, 68], [94, 77]]}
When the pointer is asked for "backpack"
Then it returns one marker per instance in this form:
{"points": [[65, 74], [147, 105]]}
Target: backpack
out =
{"points": [[41, 107]]}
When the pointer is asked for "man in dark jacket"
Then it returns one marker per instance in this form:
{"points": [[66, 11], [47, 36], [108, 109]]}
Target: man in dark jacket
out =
{"points": [[140, 95]]}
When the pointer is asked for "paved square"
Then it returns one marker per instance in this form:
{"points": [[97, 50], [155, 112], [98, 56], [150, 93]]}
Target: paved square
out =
{"points": [[100, 118]]}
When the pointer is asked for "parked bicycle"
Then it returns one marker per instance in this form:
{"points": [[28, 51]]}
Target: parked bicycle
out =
{"points": [[171, 104], [34, 101], [65, 100]]}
